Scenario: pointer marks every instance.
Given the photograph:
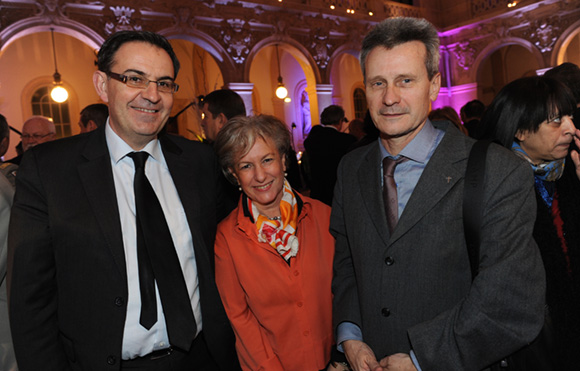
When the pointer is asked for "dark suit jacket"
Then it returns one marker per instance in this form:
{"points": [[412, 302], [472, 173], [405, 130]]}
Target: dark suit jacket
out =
{"points": [[412, 289], [67, 265], [324, 148]]}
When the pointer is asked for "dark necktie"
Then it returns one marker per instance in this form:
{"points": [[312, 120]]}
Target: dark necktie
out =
{"points": [[158, 261], [390, 191]]}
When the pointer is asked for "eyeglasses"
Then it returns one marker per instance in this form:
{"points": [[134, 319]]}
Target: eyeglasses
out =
{"points": [[139, 82], [35, 136]]}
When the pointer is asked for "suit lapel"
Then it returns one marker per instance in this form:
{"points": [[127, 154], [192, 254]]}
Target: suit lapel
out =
{"points": [[97, 178], [369, 179], [183, 173], [445, 168]]}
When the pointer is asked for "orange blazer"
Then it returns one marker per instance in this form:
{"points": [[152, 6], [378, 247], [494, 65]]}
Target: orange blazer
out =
{"points": [[281, 314]]}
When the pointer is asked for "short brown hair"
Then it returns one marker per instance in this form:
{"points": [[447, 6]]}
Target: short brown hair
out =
{"points": [[238, 136]]}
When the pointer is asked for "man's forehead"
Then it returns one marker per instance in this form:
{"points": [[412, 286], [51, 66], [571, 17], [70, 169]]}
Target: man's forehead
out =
{"points": [[408, 52], [35, 125], [136, 56]]}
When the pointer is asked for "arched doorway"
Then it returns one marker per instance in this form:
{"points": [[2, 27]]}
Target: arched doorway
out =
{"points": [[505, 64]]}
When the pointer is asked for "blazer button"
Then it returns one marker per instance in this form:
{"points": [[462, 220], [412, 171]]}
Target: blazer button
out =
{"points": [[111, 360], [389, 260], [386, 312], [119, 301]]}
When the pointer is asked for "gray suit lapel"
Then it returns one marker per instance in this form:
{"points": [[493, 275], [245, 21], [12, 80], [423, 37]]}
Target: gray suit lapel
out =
{"points": [[445, 168], [97, 178], [370, 187]]}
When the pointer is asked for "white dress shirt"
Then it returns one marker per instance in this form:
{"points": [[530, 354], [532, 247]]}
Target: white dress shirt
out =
{"points": [[138, 341]]}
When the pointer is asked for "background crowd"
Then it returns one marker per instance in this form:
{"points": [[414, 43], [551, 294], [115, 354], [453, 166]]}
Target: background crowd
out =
{"points": [[127, 248]]}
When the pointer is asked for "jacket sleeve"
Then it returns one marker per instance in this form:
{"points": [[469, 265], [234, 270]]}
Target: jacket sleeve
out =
{"points": [[345, 305], [504, 309], [33, 293], [253, 348]]}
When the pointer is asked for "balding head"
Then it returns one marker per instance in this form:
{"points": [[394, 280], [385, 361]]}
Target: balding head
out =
{"points": [[36, 130]]}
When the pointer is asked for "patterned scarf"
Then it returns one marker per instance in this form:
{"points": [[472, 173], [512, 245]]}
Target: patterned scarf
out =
{"points": [[543, 172], [280, 232]]}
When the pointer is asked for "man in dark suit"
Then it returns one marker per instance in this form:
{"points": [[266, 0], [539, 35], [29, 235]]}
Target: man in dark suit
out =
{"points": [[324, 148], [471, 114], [403, 294], [77, 295]]}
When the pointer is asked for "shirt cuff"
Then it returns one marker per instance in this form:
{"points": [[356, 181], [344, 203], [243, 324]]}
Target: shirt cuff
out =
{"points": [[414, 359], [347, 331]]}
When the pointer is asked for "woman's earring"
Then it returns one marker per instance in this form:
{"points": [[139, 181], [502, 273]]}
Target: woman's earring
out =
{"points": [[239, 188], [285, 174]]}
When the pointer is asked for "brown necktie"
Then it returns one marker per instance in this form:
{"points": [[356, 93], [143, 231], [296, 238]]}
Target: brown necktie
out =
{"points": [[390, 191]]}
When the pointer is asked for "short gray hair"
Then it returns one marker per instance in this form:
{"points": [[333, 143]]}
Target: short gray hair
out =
{"points": [[240, 133], [396, 31]]}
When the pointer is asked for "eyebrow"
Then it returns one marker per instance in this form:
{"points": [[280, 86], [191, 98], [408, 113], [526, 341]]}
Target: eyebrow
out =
{"points": [[144, 74]]}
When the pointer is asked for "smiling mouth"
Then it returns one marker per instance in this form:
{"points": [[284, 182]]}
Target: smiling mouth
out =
{"points": [[264, 187], [145, 110]]}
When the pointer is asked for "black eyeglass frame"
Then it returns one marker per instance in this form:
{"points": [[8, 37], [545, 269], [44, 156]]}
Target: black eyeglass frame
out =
{"points": [[125, 80]]}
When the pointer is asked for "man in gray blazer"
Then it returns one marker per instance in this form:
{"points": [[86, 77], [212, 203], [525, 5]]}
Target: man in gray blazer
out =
{"points": [[403, 294]]}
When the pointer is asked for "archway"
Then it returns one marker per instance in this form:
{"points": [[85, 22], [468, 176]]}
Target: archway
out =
{"points": [[346, 77], [27, 64], [199, 75], [501, 66], [298, 78]]}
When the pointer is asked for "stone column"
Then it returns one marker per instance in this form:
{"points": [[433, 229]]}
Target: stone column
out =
{"points": [[244, 89], [324, 95]]}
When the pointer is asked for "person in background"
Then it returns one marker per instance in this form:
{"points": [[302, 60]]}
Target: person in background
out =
{"points": [[447, 113], [356, 128], [404, 298], [471, 113], [569, 74], [93, 116], [532, 117], [273, 254], [36, 130], [217, 108], [324, 148]]}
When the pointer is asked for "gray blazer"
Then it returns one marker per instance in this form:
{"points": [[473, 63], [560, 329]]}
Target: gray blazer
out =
{"points": [[413, 290]]}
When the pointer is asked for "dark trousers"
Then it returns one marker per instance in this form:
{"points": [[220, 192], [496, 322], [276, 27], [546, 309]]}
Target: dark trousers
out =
{"points": [[197, 359]]}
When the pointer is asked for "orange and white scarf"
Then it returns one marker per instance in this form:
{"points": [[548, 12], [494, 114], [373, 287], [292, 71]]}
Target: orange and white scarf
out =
{"points": [[279, 233]]}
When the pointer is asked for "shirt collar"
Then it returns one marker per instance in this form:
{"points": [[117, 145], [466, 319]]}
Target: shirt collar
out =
{"points": [[419, 147], [118, 148]]}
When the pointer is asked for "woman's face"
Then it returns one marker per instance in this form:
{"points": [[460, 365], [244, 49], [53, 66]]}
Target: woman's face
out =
{"points": [[260, 173], [551, 141]]}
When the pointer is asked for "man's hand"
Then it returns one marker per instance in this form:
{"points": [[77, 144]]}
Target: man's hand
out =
{"points": [[398, 362], [360, 356], [574, 154]]}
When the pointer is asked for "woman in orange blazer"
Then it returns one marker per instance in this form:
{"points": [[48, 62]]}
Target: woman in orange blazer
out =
{"points": [[273, 255]]}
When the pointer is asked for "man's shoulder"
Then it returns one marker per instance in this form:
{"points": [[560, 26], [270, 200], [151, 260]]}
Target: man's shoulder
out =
{"points": [[345, 137], [354, 158]]}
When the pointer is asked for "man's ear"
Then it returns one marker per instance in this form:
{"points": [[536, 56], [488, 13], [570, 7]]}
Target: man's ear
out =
{"points": [[435, 87], [101, 81], [222, 119], [91, 125]]}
